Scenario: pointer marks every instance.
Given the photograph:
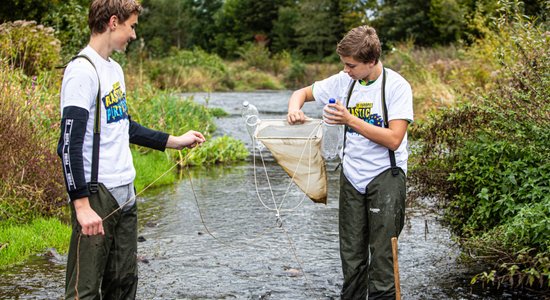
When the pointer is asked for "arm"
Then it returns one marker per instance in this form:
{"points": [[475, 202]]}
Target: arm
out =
{"points": [[158, 140], [146, 137], [297, 99], [388, 137], [69, 148]]}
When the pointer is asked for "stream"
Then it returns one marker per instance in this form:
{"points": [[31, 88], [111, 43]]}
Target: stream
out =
{"points": [[214, 234]]}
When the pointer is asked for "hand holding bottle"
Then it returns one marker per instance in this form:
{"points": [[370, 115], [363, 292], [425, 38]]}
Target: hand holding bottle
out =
{"points": [[333, 133]]}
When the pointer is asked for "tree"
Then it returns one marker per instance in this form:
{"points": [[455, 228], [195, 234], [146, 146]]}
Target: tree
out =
{"points": [[241, 21], [203, 28], [283, 33], [11, 10], [165, 24], [318, 28], [399, 20]]}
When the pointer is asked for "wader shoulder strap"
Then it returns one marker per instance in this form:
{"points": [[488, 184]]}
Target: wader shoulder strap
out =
{"points": [[393, 164], [394, 168], [93, 186]]}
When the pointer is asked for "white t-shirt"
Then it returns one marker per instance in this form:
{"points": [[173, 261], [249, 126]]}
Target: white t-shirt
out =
{"points": [[364, 159], [79, 88]]}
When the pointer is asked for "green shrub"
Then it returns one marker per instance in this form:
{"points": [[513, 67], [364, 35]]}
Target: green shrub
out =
{"points": [[186, 70], [220, 150], [489, 158], [256, 55], [28, 46], [296, 75]]}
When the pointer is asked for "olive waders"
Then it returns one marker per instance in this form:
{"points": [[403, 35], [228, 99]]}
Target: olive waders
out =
{"points": [[104, 265], [367, 222]]}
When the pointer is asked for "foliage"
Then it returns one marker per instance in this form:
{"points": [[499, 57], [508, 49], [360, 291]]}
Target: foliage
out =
{"points": [[241, 21], [165, 24], [153, 168], [400, 20], [221, 150], [428, 70], [255, 55], [70, 27], [283, 33], [11, 10], [318, 28], [488, 156], [310, 28], [188, 71], [28, 46], [19, 242], [30, 181]]}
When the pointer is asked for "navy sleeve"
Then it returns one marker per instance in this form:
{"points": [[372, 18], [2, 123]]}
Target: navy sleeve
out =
{"points": [[146, 137], [69, 148]]}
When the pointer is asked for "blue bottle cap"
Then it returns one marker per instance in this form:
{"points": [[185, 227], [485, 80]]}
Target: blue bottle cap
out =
{"points": [[331, 100]]}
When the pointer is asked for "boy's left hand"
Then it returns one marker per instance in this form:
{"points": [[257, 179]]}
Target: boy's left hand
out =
{"points": [[190, 139]]}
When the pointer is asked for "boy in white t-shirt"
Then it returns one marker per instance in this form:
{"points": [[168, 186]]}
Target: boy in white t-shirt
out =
{"points": [[374, 159], [102, 262]]}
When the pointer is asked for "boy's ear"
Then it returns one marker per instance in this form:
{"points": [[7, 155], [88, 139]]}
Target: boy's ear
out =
{"points": [[113, 22]]}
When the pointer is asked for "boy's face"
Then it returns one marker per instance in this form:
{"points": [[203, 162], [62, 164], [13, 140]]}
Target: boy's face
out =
{"points": [[357, 70], [124, 33]]}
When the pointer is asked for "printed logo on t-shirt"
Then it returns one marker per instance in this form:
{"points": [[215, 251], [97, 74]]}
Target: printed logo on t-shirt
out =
{"points": [[115, 104], [362, 110]]}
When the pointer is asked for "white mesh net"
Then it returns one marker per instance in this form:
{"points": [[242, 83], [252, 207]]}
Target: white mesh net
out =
{"points": [[297, 149]]}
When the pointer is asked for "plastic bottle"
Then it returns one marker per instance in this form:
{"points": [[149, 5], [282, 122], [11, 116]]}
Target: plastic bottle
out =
{"points": [[333, 136], [251, 119]]}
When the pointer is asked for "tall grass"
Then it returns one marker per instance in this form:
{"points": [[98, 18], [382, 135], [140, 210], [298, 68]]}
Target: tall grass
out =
{"points": [[168, 112], [151, 168], [30, 182]]}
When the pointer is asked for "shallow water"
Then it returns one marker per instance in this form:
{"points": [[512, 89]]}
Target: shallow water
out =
{"points": [[210, 236]]}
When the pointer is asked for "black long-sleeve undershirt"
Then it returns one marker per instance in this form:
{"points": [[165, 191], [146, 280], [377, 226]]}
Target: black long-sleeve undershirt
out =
{"points": [[73, 130]]}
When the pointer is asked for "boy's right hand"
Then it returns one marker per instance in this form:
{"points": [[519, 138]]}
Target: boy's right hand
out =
{"points": [[89, 220], [295, 117]]}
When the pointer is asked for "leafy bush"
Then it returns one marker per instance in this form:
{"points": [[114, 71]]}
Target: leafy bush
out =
{"points": [[221, 150], [256, 55], [28, 46], [186, 70], [489, 158]]}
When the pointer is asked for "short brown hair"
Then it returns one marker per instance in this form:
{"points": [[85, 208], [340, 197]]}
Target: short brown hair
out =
{"points": [[362, 44], [102, 10]]}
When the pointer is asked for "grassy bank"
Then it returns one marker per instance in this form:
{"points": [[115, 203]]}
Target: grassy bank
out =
{"points": [[20, 241]]}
